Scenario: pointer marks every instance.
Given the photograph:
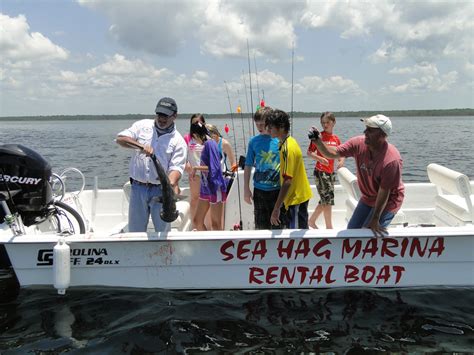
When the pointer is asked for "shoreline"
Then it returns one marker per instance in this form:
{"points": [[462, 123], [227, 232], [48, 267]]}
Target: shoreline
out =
{"points": [[391, 113]]}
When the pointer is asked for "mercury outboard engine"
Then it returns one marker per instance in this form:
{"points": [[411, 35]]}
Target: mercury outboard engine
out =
{"points": [[24, 183]]}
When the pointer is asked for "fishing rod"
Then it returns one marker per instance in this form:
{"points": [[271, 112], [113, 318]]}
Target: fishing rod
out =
{"points": [[250, 78], [292, 86], [235, 152], [247, 101], [239, 111], [256, 78]]}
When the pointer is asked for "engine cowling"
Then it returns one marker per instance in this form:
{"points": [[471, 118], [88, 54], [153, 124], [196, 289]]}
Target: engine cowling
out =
{"points": [[25, 182]]}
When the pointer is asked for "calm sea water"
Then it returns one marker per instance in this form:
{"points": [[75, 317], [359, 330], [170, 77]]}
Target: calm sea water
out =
{"points": [[99, 321]]}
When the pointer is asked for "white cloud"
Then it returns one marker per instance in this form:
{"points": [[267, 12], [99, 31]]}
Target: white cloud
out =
{"points": [[427, 45], [421, 30], [334, 85], [469, 69], [388, 51], [353, 19], [19, 45], [424, 83], [424, 68], [221, 27], [117, 74], [425, 78]]}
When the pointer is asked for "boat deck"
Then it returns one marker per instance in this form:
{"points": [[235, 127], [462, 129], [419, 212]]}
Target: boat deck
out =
{"points": [[107, 210]]}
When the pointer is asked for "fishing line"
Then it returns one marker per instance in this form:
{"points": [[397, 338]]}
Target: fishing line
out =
{"points": [[239, 111], [235, 152], [247, 102], [256, 77], [250, 78], [292, 86]]}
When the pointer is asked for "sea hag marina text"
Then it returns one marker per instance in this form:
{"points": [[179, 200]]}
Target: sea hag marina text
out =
{"points": [[309, 262]]}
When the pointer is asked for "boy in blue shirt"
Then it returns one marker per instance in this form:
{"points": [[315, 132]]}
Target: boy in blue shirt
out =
{"points": [[263, 154]]}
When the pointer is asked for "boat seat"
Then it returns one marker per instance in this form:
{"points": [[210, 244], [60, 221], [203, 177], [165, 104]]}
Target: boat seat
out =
{"points": [[454, 201], [181, 223], [349, 182]]}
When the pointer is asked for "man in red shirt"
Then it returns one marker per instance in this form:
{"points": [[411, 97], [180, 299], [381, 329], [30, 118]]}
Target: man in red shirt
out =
{"points": [[379, 174]]}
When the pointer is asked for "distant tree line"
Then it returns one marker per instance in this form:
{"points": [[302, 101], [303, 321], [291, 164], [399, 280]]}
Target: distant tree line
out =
{"points": [[135, 117]]}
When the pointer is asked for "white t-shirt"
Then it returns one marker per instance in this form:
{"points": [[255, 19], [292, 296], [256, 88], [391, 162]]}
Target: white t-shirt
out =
{"points": [[194, 152], [170, 149]]}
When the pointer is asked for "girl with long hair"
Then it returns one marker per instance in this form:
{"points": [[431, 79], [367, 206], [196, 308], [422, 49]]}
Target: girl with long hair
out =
{"points": [[212, 192]]}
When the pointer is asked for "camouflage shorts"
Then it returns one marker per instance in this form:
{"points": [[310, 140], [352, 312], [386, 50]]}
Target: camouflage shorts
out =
{"points": [[325, 185]]}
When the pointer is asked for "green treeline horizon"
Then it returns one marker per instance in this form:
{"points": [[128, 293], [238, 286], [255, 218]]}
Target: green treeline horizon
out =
{"points": [[296, 114]]}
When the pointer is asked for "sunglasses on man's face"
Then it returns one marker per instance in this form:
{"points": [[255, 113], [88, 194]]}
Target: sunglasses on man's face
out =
{"points": [[161, 115]]}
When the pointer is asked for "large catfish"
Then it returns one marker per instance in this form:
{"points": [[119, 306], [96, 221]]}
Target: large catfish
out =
{"points": [[168, 199]]}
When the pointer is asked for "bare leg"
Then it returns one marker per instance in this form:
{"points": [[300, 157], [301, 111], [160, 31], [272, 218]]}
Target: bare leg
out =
{"points": [[201, 210], [316, 213], [216, 216], [194, 185], [327, 212], [207, 220]]}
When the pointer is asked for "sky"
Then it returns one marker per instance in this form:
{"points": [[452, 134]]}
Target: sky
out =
{"points": [[107, 57]]}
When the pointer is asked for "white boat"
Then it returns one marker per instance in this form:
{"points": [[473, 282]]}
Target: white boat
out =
{"points": [[429, 243]]}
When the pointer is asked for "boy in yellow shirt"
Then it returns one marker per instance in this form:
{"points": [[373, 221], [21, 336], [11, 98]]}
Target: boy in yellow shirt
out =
{"points": [[295, 190]]}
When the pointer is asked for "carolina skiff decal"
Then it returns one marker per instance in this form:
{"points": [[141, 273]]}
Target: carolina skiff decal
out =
{"points": [[79, 256]]}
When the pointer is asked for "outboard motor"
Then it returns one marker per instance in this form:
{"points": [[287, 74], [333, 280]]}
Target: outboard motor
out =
{"points": [[24, 183]]}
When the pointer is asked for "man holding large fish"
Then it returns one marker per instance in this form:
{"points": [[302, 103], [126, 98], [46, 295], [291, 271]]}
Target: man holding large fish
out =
{"points": [[150, 195]]}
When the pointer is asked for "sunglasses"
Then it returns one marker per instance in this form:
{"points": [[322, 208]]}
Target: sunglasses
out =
{"points": [[161, 115]]}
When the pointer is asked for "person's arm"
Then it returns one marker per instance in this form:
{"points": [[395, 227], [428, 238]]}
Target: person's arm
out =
{"points": [[380, 203], [340, 162], [177, 165], [188, 168], [318, 158], [313, 154], [128, 142], [327, 151], [227, 148], [248, 197], [285, 187], [174, 177]]}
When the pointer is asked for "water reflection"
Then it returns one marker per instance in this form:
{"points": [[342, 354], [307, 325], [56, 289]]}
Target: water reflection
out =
{"points": [[110, 320]]}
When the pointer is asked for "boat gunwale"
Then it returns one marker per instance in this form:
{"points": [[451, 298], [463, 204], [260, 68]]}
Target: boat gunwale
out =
{"points": [[193, 236]]}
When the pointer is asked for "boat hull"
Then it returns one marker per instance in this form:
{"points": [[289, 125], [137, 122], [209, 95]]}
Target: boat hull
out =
{"points": [[307, 259]]}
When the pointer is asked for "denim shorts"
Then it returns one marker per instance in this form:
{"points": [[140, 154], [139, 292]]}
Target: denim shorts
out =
{"points": [[362, 215]]}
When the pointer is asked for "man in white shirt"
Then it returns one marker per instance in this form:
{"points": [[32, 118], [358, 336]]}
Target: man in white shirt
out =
{"points": [[159, 137]]}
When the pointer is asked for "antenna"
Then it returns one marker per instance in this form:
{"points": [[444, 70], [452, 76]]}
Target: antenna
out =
{"points": [[292, 78]]}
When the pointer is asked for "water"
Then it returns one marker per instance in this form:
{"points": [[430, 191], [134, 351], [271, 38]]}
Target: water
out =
{"points": [[98, 321], [90, 147]]}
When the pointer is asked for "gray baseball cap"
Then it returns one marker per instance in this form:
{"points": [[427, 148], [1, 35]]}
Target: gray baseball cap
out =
{"points": [[166, 106]]}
